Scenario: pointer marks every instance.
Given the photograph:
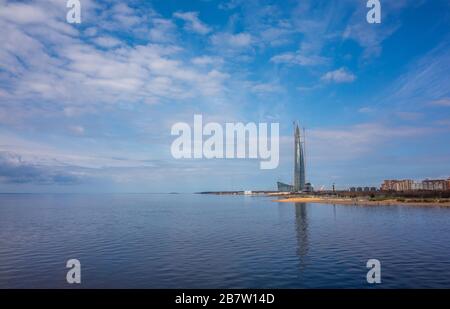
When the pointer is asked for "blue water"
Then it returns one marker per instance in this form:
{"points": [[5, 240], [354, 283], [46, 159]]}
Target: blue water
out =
{"points": [[206, 241]]}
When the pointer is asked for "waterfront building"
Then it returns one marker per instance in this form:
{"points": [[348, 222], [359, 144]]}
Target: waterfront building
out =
{"points": [[300, 184], [308, 187], [282, 187], [410, 185], [397, 185], [417, 186], [404, 185], [434, 184], [362, 189], [388, 185], [299, 162]]}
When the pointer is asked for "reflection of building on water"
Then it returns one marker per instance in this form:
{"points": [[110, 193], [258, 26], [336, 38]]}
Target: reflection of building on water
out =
{"points": [[301, 227], [300, 184]]}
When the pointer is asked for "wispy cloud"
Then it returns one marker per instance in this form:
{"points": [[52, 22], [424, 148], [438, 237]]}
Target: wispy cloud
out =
{"points": [[107, 42], [52, 63], [341, 75], [193, 23], [299, 59], [232, 42], [96, 101], [354, 141], [440, 102], [264, 88], [366, 110], [207, 60], [13, 169], [370, 36], [424, 80]]}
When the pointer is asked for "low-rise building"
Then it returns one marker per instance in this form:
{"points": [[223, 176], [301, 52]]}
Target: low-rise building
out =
{"points": [[362, 189], [308, 187]]}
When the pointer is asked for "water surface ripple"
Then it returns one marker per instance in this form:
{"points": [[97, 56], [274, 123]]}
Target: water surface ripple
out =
{"points": [[205, 241]]}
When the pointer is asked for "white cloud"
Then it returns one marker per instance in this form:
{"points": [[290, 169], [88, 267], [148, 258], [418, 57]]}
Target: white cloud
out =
{"points": [[44, 154], [299, 59], [409, 116], [77, 130], [232, 42], [90, 32], [193, 23], [23, 14], [206, 60], [354, 141], [49, 61], [371, 37], [341, 75], [441, 102], [107, 42], [162, 30], [276, 35], [266, 88], [366, 110], [424, 82], [125, 15]]}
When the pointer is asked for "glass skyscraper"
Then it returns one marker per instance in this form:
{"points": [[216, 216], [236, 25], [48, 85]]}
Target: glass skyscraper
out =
{"points": [[299, 164], [300, 184]]}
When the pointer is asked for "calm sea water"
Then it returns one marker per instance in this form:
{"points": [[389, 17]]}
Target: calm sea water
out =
{"points": [[205, 241]]}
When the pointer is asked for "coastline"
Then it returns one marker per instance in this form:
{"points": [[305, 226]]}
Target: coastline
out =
{"points": [[361, 202]]}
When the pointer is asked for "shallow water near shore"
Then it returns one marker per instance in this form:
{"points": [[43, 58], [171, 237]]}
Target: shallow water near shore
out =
{"points": [[208, 241]]}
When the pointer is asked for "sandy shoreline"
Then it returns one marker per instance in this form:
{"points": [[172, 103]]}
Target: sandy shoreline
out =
{"points": [[348, 201]]}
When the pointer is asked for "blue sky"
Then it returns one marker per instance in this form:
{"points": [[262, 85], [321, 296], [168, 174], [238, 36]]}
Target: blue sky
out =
{"points": [[89, 107]]}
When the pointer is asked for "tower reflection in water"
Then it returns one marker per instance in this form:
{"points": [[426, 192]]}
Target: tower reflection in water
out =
{"points": [[301, 227]]}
